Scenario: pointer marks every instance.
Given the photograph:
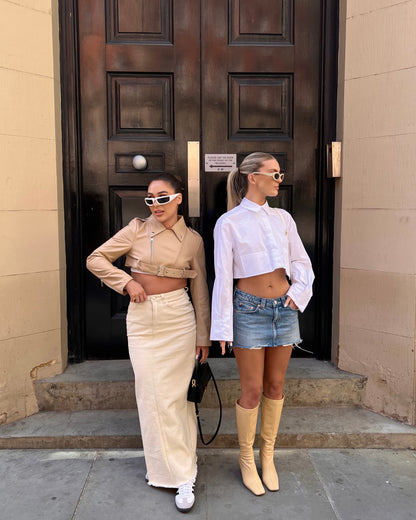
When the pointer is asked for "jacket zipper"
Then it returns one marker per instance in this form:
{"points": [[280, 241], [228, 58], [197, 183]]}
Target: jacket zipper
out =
{"points": [[151, 247]]}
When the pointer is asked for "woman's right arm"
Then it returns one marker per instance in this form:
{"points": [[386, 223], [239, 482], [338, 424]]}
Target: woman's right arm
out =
{"points": [[222, 295], [100, 261]]}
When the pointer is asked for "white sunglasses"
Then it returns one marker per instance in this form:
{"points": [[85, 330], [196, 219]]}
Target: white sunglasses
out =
{"points": [[163, 199], [277, 176]]}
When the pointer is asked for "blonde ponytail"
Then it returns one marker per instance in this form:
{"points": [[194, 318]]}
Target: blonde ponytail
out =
{"points": [[237, 181], [236, 188]]}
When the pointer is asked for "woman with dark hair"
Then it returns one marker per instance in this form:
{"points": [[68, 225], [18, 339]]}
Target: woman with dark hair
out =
{"points": [[260, 248], [165, 331]]}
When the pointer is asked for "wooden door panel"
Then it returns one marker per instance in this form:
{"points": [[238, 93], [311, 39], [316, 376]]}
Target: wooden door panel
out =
{"points": [[261, 92], [138, 64], [260, 106], [144, 21], [264, 22], [140, 107]]}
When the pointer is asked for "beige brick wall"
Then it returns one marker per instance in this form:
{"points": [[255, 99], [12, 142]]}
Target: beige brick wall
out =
{"points": [[32, 264], [375, 247]]}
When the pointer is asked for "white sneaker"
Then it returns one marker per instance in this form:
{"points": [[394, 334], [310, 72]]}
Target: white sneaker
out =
{"points": [[185, 497]]}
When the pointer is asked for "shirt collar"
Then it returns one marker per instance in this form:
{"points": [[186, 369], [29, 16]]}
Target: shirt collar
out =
{"points": [[252, 206], [157, 227]]}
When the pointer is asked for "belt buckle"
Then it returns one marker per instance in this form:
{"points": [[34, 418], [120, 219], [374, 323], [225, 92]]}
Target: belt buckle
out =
{"points": [[161, 270]]}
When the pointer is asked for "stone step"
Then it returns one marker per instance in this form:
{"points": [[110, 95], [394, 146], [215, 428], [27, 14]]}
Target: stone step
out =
{"points": [[106, 385], [301, 427]]}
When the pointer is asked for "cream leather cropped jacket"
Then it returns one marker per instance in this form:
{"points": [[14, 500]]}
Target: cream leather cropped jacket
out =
{"points": [[151, 248]]}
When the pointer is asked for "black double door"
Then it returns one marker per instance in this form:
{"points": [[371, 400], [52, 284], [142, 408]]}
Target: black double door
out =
{"points": [[193, 86]]}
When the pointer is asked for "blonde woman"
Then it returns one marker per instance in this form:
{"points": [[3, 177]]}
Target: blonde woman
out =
{"points": [[165, 331], [259, 247]]}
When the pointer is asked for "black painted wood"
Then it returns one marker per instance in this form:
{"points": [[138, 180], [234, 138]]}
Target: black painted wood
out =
{"points": [[326, 187], [71, 147], [81, 223]]}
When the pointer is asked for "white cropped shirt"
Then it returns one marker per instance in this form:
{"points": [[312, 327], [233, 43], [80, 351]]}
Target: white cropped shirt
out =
{"points": [[251, 240]]}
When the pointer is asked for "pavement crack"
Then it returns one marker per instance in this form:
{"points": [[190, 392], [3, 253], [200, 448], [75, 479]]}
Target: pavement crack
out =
{"points": [[84, 487], [326, 489]]}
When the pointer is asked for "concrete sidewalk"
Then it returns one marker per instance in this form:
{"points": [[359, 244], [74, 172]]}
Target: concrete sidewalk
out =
{"points": [[316, 484]]}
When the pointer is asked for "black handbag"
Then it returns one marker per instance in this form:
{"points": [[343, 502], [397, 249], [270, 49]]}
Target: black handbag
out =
{"points": [[201, 376]]}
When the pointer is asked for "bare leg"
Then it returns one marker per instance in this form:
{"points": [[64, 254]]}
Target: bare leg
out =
{"points": [[251, 369], [275, 367]]}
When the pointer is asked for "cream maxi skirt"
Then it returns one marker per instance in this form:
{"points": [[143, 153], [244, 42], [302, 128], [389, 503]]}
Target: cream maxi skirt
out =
{"points": [[161, 336]]}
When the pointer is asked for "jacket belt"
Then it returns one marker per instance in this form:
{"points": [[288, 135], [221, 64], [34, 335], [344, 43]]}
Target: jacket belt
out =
{"points": [[162, 270]]}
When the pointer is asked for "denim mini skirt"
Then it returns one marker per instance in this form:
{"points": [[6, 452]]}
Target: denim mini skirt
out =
{"points": [[263, 322]]}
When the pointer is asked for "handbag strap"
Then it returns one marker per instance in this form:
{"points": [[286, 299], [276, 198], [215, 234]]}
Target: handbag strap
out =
{"points": [[205, 443]]}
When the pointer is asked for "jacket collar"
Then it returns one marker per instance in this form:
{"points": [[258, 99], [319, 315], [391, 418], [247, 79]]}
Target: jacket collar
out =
{"points": [[252, 206], [157, 227]]}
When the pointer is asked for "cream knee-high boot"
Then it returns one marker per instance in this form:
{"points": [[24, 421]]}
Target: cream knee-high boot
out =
{"points": [[271, 411], [246, 427]]}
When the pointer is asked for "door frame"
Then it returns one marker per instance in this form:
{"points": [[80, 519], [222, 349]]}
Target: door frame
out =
{"points": [[72, 178]]}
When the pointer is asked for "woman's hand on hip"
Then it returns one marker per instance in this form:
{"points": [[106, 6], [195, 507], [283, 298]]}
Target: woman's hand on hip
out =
{"points": [[203, 352], [291, 304], [136, 292], [222, 345]]}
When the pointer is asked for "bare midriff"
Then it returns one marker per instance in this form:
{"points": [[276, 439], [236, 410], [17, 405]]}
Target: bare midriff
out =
{"points": [[153, 284], [268, 285]]}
